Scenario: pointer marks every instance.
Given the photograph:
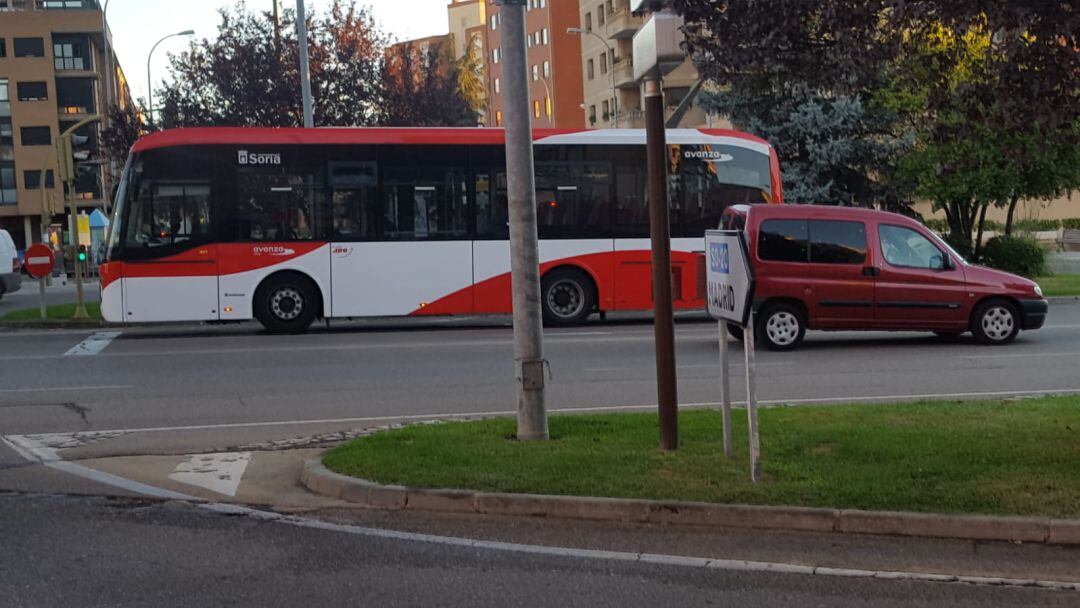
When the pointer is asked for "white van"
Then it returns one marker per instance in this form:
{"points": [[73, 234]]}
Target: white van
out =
{"points": [[10, 269]]}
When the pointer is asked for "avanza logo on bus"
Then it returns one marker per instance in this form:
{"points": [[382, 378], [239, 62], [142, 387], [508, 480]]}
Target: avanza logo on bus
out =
{"points": [[244, 157], [710, 155], [274, 250]]}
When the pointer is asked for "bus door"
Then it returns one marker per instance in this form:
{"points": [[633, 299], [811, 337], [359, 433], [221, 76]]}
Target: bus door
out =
{"points": [[417, 259], [171, 272]]}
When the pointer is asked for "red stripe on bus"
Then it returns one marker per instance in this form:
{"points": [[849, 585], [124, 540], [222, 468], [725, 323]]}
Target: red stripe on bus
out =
{"points": [[623, 280]]}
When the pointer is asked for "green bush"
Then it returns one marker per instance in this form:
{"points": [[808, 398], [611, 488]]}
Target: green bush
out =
{"points": [[1018, 255], [1071, 224], [1036, 225], [937, 225]]}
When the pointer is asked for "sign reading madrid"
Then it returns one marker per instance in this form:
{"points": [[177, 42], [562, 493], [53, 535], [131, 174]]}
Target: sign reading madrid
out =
{"points": [[730, 279]]}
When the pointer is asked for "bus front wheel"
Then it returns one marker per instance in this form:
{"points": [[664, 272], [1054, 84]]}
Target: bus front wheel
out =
{"points": [[286, 304], [567, 296]]}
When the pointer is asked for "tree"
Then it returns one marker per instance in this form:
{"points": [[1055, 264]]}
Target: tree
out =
{"points": [[124, 128], [803, 77], [989, 92], [245, 77], [421, 87], [471, 85]]}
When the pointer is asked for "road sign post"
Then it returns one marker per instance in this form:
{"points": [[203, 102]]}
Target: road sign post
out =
{"points": [[39, 265], [730, 287]]}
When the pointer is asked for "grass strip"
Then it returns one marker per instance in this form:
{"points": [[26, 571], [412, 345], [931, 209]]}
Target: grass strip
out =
{"points": [[1060, 285], [1018, 457], [57, 315]]}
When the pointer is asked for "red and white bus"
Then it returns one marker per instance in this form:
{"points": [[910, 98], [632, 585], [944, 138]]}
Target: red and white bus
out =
{"points": [[289, 225]]}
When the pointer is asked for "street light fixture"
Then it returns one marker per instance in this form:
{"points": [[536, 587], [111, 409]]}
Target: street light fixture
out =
{"points": [[614, 98], [149, 82]]}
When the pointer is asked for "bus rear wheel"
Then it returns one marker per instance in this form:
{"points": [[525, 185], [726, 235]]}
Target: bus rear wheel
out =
{"points": [[567, 297], [286, 304]]}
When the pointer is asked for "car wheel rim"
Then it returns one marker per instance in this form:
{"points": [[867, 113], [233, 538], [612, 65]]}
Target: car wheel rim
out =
{"points": [[998, 323], [287, 303], [566, 298], [782, 328]]}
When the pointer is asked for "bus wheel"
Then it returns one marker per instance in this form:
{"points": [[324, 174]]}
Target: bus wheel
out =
{"points": [[567, 297], [286, 304]]}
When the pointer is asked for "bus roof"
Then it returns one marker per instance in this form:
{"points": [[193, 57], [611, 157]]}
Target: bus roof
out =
{"points": [[431, 136]]}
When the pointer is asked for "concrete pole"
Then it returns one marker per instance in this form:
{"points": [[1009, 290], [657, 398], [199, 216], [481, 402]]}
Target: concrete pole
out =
{"points": [[305, 76], [660, 232], [524, 250], [751, 402], [725, 387]]}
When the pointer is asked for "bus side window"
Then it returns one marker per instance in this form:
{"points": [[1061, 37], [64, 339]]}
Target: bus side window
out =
{"points": [[354, 212]]}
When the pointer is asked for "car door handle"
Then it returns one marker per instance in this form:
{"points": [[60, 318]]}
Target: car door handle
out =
{"points": [[871, 271]]}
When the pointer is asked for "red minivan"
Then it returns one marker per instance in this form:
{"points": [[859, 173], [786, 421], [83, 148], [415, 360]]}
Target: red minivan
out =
{"points": [[845, 268]]}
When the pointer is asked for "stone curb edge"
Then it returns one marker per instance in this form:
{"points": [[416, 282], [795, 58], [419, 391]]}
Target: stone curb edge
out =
{"points": [[321, 480], [1062, 299]]}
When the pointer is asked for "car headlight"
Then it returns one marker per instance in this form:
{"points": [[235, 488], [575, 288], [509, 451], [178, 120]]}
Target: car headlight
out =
{"points": [[1038, 290]]}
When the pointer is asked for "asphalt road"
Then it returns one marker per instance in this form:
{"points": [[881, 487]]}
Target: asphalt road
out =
{"points": [[93, 552], [165, 377]]}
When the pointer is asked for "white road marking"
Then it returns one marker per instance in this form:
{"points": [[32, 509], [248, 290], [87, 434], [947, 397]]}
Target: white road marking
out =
{"points": [[1018, 355], [579, 409], [92, 345], [50, 389], [219, 473], [47, 458]]}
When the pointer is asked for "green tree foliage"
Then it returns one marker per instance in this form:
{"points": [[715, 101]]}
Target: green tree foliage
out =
{"points": [[471, 85], [249, 75], [803, 78], [988, 94], [124, 127]]}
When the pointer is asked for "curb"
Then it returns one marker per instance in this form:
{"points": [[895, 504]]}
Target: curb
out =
{"points": [[321, 480], [1063, 299]]}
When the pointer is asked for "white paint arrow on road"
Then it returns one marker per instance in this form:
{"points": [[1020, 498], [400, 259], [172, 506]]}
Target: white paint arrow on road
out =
{"points": [[219, 473]]}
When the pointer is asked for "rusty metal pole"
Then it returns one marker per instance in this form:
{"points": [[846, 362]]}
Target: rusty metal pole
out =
{"points": [[660, 232]]}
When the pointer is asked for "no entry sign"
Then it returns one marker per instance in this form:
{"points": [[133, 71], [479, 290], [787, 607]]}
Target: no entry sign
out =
{"points": [[39, 261], [729, 277]]}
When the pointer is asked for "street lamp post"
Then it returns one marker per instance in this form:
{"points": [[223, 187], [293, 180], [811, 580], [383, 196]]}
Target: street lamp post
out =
{"points": [[305, 75], [108, 54], [149, 82], [611, 69]]}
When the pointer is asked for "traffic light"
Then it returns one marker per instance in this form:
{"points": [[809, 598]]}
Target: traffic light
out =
{"points": [[81, 254], [80, 148]]}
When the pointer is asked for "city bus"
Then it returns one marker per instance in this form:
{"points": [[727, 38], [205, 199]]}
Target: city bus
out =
{"points": [[290, 225]]}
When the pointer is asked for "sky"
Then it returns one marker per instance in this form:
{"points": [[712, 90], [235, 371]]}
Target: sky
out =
{"points": [[137, 24]]}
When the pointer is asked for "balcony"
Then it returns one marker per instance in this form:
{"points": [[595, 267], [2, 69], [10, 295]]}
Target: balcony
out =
{"points": [[622, 23], [624, 73]]}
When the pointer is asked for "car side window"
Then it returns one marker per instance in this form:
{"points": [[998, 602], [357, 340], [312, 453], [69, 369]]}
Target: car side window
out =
{"points": [[836, 242], [783, 241], [907, 248]]}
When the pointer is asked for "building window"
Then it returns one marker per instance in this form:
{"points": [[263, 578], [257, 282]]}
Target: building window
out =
{"points": [[547, 107], [536, 108], [547, 69], [592, 115], [3, 47], [606, 107], [75, 95], [498, 118], [494, 22], [590, 69], [497, 87], [71, 52], [529, 41], [7, 183], [588, 22], [36, 136], [601, 18], [535, 73], [32, 179], [29, 47], [544, 35], [603, 63], [6, 137], [33, 91], [543, 3], [495, 55]]}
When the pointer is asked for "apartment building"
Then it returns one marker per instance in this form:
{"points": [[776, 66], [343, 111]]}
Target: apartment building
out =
{"points": [[552, 62], [52, 75], [612, 96]]}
